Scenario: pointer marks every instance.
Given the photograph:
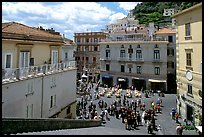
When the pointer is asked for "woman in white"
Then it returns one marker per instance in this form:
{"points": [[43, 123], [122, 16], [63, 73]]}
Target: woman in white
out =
{"points": [[143, 121]]}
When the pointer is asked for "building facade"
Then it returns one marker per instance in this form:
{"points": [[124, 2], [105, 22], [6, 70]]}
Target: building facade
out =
{"points": [[87, 54], [122, 24], [34, 83], [169, 35], [68, 50], [189, 63], [141, 64]]}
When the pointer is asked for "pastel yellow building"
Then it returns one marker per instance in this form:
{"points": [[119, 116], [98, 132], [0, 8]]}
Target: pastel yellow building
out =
{"points": [[189, 63], [24, 46]]}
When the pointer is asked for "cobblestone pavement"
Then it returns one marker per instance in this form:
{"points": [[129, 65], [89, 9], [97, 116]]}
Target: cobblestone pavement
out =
{"points": [[116, 127]]}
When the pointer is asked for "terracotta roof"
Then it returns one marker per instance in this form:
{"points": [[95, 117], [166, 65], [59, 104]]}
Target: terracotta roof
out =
{"points": [[165, 31], [18, 28]]}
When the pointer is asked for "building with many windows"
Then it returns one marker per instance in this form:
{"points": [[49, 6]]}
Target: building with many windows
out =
{"points": [[87, 54], [189, 63], [34, 82], [132, 58]]}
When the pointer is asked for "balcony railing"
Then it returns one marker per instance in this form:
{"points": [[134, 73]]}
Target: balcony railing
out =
{"points": [[156, 60], [130, 59], [32, 71]]}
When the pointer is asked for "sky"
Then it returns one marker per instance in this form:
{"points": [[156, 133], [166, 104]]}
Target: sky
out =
{"points": [[66, 17]]}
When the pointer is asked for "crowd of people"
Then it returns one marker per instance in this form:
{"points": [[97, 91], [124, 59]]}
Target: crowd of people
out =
{"points": [[132, 112]]}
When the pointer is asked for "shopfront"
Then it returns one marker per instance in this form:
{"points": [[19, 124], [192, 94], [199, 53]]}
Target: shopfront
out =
{"points": [[158, 85], [107, 80], [122, 82]]}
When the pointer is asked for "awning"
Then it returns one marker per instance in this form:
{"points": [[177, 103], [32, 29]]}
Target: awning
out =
{"points": [[107, 76], [199, 128], [121, 79], [137, 78], [155, 80], [84, 76]]}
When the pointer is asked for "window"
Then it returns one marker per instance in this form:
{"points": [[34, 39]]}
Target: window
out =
{"points": [[170, 64], [122, 68], [86, 48], [122, 46], [24, 59], [66, 55], [8, 60], [29, 111], [138, 46], [68, 110], [188, 29], [130, 70], [170, 52], [156, 54], [53, 101], [107, 53], [87, 58], [139, 69], [188, 59], [54, 56], [107, 46], [170, 38], [122, 53], [130, 56], [95, 40], [189, 89], [157, 71], [87, 40], [94, 59], [107, 67], [95, 48], [138, 54]]}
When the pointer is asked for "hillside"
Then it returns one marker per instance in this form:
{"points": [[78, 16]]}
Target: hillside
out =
{"points": [[147, 12]]}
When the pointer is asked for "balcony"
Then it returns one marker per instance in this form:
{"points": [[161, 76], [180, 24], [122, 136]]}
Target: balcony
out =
{"points": [[121, 59], [156, 61], [105, 59], [9, 75], [87, 43]]}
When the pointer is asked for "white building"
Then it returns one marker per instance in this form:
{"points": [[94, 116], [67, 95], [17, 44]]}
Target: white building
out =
{"points": [[38, 94], [169, 12], [68, 50], [122, 24], [142, 64]]}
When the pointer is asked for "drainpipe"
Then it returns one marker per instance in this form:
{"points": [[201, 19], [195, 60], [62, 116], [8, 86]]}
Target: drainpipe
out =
{"points": [[44, 69]]}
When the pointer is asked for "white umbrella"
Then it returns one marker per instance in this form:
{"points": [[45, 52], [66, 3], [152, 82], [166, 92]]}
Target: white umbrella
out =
{"points": [[84, 76]]}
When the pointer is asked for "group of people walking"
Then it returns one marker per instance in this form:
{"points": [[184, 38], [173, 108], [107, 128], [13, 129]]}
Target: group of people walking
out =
{"points": [[132, 113]]}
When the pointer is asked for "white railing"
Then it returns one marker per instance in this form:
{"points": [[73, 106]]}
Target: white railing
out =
{"points": [[20, 73]]}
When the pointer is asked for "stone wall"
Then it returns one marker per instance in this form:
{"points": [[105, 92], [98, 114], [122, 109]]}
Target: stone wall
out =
{"points": [[20, 125]]}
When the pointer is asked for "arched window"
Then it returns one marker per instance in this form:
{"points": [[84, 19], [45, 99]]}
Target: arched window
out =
{"points": [[122, 46], [107, 46]]}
